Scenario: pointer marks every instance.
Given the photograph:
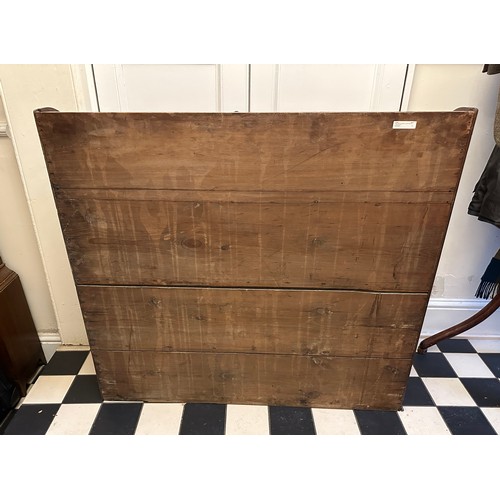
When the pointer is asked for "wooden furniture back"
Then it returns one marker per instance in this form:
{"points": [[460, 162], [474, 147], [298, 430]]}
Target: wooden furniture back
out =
{"points": [[21, 353], [261, 258]]}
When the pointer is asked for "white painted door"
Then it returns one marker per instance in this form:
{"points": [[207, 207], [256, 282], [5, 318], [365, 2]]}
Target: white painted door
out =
{"points": [[172, 87], [327, 87], [255, 87]]}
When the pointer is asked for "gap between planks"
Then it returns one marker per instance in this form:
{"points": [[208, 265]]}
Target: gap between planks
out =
{"points": [[253, 353], [263, 288]]}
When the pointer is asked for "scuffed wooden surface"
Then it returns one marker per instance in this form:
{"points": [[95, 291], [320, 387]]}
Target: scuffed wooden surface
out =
{"points": [[281, 258], [261, 321], [318, 381], [255, 151], [379, 246]]}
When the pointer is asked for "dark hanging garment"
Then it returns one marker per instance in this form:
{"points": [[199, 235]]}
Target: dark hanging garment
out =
{"points": [[491, 69], [485, 203]]}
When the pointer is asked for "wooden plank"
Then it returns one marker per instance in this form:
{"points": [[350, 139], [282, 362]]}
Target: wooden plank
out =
{"points": [[256, 151], [366, 246], [317, 381], [262, 321]]}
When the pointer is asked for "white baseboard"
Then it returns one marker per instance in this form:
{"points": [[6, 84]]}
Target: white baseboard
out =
{"points": [[444, 313], [50, 342]]}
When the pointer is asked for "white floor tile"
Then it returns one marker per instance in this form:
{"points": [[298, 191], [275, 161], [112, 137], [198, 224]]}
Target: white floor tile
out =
{"points": [[88, 367], [73, 348], [413, 372], [493, 415], [49, 389], [335, 422], [481, 345], [468, 365], [448, 391], [160, 419], [423, 421], [74, 419], [433, 348], [247, 420], [49, 349]]}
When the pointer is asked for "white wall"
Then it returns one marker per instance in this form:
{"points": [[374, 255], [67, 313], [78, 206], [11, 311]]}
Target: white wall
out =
{"points": [[18, 243], [469, 244], [30, 235]]}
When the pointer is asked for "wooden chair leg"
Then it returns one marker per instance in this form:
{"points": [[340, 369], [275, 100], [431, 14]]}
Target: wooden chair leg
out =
{"points": [[474, 320]]}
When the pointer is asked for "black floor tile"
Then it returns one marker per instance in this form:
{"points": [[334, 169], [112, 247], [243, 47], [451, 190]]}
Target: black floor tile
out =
{"points": [[31, 419], [116, 418], [65, 363], [432, 364], [417, 394], [484, 391], [466, 420], [287, 420], [203, 418], [377, 422], [84, 389], [6, 420], [455, 345], [492, 360]]}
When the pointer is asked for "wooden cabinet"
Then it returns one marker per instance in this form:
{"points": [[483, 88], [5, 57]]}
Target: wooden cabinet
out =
{"points": [[20, 348], [261, 258]]}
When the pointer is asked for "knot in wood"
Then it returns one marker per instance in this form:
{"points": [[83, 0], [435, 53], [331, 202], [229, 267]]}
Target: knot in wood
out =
{"points": [[192, 243], [154, 302], [391, 369], [317, 242], [322, 311]]}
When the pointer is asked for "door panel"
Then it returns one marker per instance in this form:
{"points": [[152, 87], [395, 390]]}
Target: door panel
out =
{"points": [[327, 87], [172, 87]]}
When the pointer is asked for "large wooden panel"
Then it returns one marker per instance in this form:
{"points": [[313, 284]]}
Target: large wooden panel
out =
{"points": [[317, 381], [343, 245], [256, 321], [256, 151], [281, 258]]}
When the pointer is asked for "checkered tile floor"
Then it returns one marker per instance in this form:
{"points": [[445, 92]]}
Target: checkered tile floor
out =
{"points": [[453, 389]]}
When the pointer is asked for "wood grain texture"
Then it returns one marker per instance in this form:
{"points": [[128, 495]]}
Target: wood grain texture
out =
{"points": [[254, 321], [368, 246], [318, 381], [258, 258], [255, 151]]}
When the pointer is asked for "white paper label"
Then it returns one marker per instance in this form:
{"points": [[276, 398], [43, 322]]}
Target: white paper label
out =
{"points": [[403, 124]]}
